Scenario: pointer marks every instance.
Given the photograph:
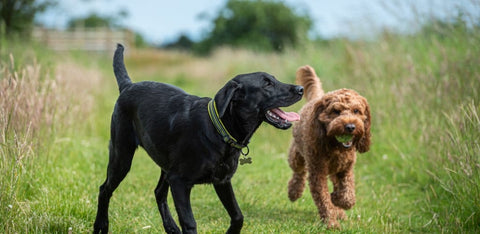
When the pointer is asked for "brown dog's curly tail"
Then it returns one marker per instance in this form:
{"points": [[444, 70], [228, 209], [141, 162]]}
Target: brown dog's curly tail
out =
{"points": [[307, 78]]}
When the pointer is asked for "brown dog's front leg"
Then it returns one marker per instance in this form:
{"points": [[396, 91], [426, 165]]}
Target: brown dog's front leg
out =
{"points": [[343, 195], [321, 196], [227, 197], [181, 197]]}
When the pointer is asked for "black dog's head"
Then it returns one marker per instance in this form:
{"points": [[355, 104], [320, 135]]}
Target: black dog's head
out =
{"points": [[256, 97]]}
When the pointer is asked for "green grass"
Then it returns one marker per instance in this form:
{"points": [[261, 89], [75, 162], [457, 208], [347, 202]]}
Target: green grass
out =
{"points": [[422, 173]]}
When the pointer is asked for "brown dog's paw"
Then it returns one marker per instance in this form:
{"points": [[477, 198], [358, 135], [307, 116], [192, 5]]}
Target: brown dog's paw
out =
{"points": [[295, 189], [340, 213], [331, 223], [344, 199], [293, 195]]}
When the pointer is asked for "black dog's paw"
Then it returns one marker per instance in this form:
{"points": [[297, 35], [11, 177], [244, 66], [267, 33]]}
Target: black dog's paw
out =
{"points": [[171, 227], [173, 230], [100, 227]]}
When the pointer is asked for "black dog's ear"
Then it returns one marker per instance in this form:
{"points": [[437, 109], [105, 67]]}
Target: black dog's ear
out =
{"points": [[224, 96]]}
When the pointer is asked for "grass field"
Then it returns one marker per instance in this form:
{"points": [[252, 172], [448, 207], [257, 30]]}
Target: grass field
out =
{"points": [[422, 173]]}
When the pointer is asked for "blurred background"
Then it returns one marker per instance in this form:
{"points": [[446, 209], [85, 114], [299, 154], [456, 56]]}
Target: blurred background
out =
{"points": [[415, 61], [201, 25]]}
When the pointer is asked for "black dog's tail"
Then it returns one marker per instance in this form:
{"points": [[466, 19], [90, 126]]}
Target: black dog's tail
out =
{"points": [[123, 80]]}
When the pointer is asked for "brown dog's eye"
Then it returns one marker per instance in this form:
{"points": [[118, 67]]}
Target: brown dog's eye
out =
{"points": [[356, 111], [335, 111]]}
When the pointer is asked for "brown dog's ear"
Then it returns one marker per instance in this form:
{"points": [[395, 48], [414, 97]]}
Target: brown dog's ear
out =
{"points": [[363, 145], [316, 130], [224, 96]]}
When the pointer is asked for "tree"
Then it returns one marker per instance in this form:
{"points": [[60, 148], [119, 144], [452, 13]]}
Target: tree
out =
{"points": [[17, 15], [182, 43], [267, 25], [94, 20]]}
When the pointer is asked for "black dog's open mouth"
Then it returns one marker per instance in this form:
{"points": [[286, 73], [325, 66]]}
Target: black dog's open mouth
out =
{"points": [[281, 119]]}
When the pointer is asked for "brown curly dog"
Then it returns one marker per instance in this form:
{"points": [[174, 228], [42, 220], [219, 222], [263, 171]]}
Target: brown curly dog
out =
{"points": [[332, 128]]}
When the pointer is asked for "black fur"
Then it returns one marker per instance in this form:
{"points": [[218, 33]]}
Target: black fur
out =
{"points": [[175, 130]]}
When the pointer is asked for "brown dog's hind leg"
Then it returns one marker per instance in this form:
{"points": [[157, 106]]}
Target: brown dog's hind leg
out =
{"points": [[296, 185]]}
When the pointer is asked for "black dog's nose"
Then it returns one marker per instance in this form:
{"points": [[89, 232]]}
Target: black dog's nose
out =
{"points": [[299, 90], [350, 127]]}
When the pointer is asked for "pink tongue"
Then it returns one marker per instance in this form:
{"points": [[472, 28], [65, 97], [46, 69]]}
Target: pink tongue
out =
{"points": [[290, 116]]}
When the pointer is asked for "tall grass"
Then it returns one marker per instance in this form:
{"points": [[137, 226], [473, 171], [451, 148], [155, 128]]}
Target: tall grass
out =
{"points": [[455, 198], [38, 105], [27, 112]]}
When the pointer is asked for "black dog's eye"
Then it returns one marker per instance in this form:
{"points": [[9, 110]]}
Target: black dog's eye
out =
{"points": [[267, 83]]}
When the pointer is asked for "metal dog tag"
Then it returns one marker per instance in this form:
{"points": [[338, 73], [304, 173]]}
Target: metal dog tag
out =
{"points": [[245, 160]]}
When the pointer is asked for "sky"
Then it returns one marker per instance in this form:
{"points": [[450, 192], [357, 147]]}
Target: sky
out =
{"points": [[161, 21]]}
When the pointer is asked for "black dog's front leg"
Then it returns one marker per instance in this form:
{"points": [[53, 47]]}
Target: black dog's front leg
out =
{"points": [[181, 197], [227, 197], [161, 193]]}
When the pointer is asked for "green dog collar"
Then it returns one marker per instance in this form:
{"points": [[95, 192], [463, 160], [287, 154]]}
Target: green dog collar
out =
{"points": [[217, 122]]}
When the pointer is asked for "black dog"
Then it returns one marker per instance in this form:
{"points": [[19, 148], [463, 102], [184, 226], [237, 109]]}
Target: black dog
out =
{"points": [[192, 139]]}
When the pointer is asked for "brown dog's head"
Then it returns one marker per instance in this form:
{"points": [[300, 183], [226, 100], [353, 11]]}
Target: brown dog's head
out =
{"points": [[345, 117]]}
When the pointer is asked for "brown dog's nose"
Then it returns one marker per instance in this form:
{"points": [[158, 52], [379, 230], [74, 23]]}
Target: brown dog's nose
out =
{"points": [[299, 90], [350, 127]]}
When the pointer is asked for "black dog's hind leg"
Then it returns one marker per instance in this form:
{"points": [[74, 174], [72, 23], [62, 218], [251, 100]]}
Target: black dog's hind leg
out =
{"points": [[122, 148], [161, 193], [227, 197]]}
